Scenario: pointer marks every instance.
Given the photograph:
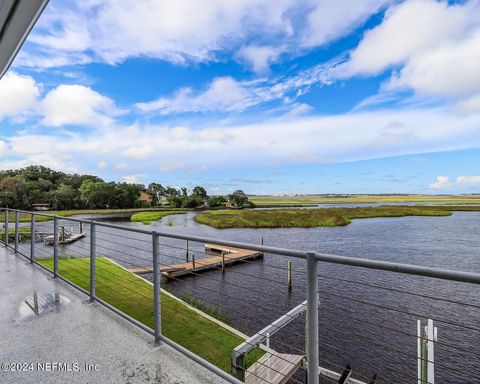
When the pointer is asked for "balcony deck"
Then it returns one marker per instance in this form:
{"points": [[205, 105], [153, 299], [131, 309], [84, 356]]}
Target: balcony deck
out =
{"points": [[78, 333]]}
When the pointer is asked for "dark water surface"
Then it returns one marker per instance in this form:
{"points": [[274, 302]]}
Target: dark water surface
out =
{"points": [[366, 318]]}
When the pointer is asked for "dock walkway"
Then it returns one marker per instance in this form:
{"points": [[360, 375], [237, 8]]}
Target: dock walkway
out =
{"points": [[273, 368], [226, 256]]}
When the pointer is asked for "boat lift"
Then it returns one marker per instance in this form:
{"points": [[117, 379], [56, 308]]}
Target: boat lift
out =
{"points": [[274, 367]]}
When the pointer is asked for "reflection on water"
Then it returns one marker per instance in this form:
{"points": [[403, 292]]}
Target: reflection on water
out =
{"points": [[40, 304], [362, 324]]}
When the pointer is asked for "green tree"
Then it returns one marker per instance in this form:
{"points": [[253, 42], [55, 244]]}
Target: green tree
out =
{"points": [[157, 191], [239, 199], [199, 192]]}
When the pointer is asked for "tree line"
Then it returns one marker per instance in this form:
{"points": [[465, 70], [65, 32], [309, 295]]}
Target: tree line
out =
{"points": [[31, 185]]}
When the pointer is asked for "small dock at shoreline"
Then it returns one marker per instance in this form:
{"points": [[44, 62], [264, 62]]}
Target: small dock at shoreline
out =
{"points": [[222, 256]]}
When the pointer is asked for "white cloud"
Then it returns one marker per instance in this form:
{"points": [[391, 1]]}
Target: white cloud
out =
{"points": [[75, 104], [442, 182], [333, 19], [132, 179], [298, 139], [433, 47], [173, 30], [18, 94], [461, 181], [139, 152], [468, 180], [259, 58], [182, 31], [102, 164], [3, 147], [223, 93]]}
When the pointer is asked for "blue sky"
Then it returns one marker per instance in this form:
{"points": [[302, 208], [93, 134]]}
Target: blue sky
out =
{"points": [[313, 96]]}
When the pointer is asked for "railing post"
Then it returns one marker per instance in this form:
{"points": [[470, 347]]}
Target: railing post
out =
{"points": [[156, 290], [32, 237], [93, 258], [55, 247], [6, 227], [17, 221], [312, 319]]}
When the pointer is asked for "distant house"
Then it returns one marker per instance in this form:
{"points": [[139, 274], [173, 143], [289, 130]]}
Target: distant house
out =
{"points": [[145, 198], [41, 206]]}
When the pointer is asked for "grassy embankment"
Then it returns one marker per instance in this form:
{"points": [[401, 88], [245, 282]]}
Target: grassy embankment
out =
{"points": [[23, 234], [25, 217], [320, 217], [148, 217], [134, 296], [358, 199]]}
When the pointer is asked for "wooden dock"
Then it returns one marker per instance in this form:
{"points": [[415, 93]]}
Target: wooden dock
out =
{"points": [[222, 256], [273, 368]]}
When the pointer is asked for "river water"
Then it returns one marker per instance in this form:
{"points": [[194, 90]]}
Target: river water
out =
{"points": [[366, 318]]}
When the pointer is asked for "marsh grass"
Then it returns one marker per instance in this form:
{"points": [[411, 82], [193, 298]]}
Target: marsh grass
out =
{"points": [[209, 309], [321, 217], [358, 199], [148, 217]]}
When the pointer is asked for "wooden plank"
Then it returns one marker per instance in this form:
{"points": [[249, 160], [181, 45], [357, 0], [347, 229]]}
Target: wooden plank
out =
{"points": [[273, 368], [231, 255]]}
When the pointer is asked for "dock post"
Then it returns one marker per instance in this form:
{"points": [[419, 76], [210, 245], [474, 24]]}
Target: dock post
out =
{"points": [[93, 262], [17, 220], [62, 238], [156, 290], [32, 237], [312, 319], [6, 227], [223, 261], [186, 255], [193, 262], [81, 226], [262, 240], [289, 276], [55, 247]]}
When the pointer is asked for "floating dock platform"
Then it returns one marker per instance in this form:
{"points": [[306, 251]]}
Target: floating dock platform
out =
{"points": [[227, 255]]}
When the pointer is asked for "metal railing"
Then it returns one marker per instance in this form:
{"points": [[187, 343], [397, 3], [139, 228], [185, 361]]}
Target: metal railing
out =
{"points": [[129, 247]]}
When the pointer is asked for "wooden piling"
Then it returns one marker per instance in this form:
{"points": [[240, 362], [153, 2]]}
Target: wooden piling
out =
{"points": [[289, 275], [81, 226], [223, 261], [62, 233], [193, 262], [186, 254]]}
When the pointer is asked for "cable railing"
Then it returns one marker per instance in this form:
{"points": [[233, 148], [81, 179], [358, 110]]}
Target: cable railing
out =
{"points": [[366, 321]]}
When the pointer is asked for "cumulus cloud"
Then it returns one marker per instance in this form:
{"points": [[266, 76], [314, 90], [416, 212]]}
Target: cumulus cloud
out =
{"points": [[461, 181], [433, 47], [259, 58], [442, 182], [18, 94], [330, 20], [75, 104]]}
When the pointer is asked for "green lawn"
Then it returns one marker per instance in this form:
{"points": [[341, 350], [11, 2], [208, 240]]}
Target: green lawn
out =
{"points": [[134, 296], [320, 217], [148, 217]]}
